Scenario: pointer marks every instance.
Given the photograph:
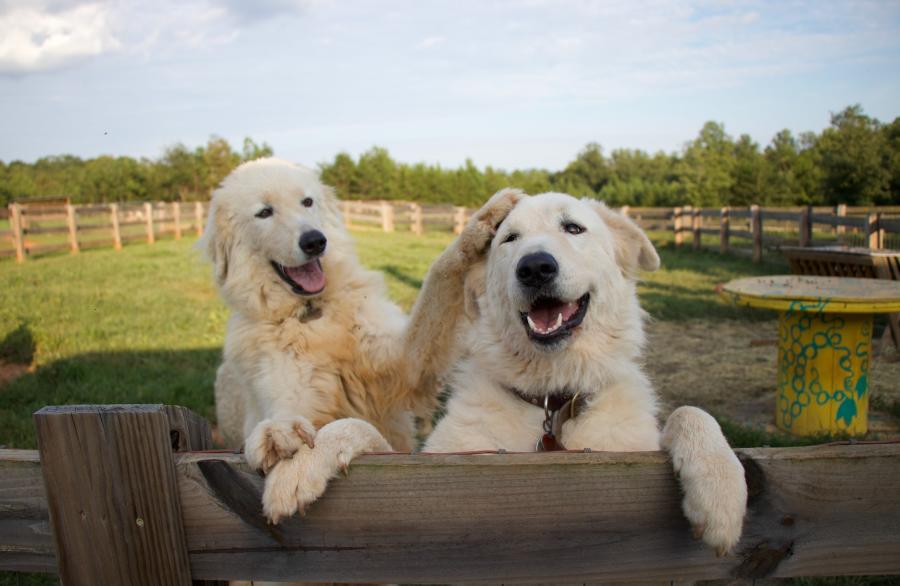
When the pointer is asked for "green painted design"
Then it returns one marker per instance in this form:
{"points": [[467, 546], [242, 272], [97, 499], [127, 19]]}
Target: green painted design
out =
{"points": [[811, 340]]}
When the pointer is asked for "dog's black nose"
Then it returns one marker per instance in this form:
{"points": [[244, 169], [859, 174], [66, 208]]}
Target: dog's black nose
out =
{"points": [[537, 269], [313, 243]]}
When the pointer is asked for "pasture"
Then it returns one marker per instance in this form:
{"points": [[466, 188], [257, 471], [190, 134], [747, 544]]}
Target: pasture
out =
{"points": [[145, 325]]}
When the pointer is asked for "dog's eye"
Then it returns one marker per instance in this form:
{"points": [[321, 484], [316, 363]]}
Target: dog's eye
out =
{"points": [[510, 237], [573, 228], [265, 212], [307, 202]]}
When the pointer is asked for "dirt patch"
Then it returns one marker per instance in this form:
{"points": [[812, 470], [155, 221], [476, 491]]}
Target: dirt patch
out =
{"points": [[729, 368], [10, 371]]}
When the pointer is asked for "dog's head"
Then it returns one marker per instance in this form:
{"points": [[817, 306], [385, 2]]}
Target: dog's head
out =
{"points": [[560, 269], [271, 228]]}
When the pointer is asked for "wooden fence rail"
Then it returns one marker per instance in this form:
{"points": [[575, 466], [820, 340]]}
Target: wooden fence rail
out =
{"points": [[114, 496], [772, 228], [751, 230], [39, 229]]}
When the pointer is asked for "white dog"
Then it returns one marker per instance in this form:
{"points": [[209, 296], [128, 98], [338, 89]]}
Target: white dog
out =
{"points": [[554, 357], [318, 364]]}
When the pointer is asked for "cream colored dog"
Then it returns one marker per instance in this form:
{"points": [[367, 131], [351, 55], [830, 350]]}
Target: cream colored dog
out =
{"points": [[318, 364], [556, 314]]}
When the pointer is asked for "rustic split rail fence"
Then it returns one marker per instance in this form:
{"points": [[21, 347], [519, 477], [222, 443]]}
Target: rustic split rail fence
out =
{"points": [[39, 229], [132, 495]]}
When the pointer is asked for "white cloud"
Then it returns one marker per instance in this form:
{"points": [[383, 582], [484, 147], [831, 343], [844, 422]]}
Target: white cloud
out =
{"points": [[50, 34], [430, 42], [32, 39]]}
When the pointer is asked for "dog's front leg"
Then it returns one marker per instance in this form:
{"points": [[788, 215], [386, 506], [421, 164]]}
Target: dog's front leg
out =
{"points": [[293, 484], [428, 343], [715, 490]]}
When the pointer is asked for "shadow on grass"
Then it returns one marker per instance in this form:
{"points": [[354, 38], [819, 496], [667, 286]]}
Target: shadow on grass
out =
{"points": [[18, 346], [401, 276], [177, 377]]}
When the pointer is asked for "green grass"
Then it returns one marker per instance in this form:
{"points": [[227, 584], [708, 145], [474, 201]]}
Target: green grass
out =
{"points": [[145, 324]]}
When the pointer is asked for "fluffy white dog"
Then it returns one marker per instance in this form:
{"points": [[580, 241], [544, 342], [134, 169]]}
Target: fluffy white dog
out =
{"points": [[319, 365], [554, 357]]}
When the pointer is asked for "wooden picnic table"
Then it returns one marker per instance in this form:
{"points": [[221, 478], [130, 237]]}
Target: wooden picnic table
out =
{"points": [[848, 261], [824, 344]]}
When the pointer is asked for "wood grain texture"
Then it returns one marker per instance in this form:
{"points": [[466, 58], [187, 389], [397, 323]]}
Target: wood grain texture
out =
{"points": [[26, 543], [552, 518], [112, 494], [545, 517]]}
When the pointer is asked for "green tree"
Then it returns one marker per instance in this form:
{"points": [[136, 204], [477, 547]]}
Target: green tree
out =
{"points": [[706, 169], [853, 152]]}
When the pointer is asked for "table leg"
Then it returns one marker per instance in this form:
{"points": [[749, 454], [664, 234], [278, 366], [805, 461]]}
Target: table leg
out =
{"points": [[823, 368]]}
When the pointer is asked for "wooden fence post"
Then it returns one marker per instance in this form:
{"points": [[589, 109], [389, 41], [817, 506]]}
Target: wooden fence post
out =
{"points": [[840, 210], [677, 214], [148, 211], [873, 234], [114, 218], [416, 219], [756, 228], [804, 227], [198, 217], [459, 220], [112, 494], [696, 224], [176, 218], [724, 230], [71, 222], [15, 219], [387, 216]]}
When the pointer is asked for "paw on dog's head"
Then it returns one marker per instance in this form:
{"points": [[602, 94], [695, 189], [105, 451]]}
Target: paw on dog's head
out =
{"points": [[271, 225], [558, 266]]}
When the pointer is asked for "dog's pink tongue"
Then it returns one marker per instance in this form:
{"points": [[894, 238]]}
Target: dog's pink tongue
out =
{"points": [[309, 276], [545, 316]]}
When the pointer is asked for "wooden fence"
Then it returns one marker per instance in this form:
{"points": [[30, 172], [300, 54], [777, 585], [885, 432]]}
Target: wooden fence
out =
{"points": [[41, 229], [757, 229], [116, 496], [749, 230]]}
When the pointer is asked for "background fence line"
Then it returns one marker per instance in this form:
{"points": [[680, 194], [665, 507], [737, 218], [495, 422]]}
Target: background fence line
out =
{"points": [[41, 228]]}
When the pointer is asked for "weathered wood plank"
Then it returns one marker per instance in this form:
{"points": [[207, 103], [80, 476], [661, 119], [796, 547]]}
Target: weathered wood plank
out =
{"points": [[112, 494], [26, 543], [534, 517], [545, 517]]}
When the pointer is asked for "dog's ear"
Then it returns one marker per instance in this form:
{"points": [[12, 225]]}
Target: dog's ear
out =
{"points": [[216, 241], [474, 288], [634, 251]]}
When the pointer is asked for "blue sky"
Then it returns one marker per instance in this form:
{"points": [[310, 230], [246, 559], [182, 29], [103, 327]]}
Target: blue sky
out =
{"points": [[508, 83]]}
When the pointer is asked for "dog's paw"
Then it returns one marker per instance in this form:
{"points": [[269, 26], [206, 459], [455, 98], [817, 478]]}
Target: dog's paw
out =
{"points": [[712, 477], [480, 229], [273, 440], [294, 484]]}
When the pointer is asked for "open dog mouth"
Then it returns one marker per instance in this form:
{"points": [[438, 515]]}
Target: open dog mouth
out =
{"points": [[551, 319], [305, 279]]}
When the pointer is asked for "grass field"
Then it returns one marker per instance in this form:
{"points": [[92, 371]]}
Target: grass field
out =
{"points": [[145, 324]]}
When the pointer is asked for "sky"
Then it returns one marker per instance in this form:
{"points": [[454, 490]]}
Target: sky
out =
{"points": [[512, 84]]}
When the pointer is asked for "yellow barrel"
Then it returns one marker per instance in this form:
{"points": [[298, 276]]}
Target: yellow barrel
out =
{"points": [[823, 372]]}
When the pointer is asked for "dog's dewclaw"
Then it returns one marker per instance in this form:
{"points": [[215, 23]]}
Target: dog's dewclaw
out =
{"points": [[698, 530]]}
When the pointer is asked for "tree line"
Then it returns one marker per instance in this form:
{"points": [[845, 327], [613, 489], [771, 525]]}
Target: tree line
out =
{"points": [[855, 160]]}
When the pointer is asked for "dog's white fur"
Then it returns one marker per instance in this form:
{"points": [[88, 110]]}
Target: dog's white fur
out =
{"points": [[600, 358], [296, 366]]}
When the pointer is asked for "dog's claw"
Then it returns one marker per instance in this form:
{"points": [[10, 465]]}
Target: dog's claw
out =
{"points": [[721, 552], [345, 469]]}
